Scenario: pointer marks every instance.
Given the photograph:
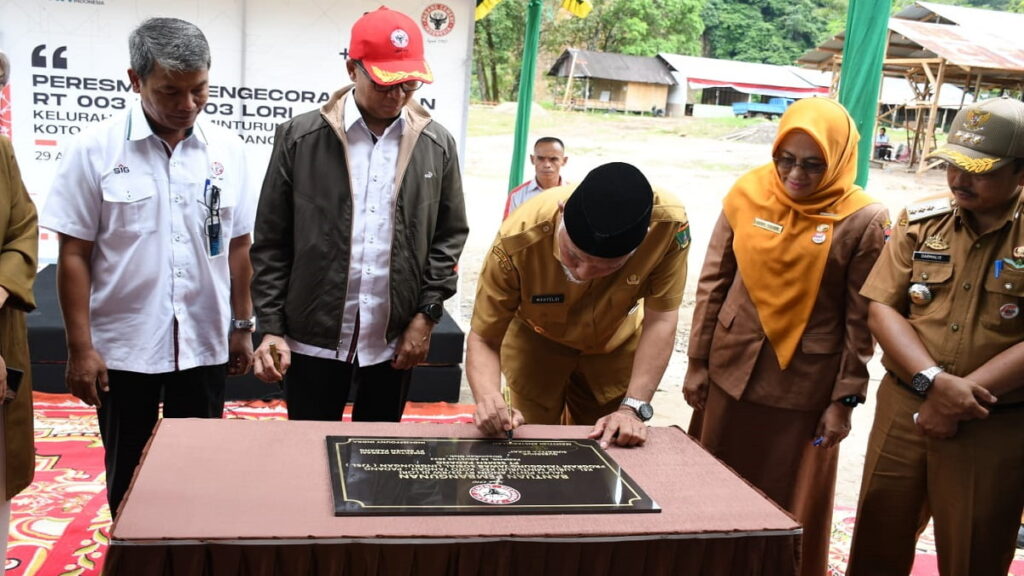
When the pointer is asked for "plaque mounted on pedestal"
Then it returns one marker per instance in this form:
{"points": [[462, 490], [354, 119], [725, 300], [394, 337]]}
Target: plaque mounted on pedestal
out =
{"points": [[393, 476]]}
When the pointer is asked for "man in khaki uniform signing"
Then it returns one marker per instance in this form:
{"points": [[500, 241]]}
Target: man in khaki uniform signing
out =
{"points": [[577, 304], [948, 437]]}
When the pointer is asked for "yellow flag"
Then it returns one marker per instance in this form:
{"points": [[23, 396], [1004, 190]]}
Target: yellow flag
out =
{"points": [[484, 7], [578, 8]]}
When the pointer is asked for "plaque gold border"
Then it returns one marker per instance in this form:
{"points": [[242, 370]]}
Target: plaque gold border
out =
{"points": [[635, 492]]}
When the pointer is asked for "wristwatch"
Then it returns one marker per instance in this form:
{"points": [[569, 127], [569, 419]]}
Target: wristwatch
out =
{"points": [[851, 401], [644, 411], [246, 325], [433, 311], [924, 379]]}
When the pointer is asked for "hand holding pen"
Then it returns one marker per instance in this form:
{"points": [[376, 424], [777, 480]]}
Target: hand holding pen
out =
{"points": [[272, 359], [507, 394]]}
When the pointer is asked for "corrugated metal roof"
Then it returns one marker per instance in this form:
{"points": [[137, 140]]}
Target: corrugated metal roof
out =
{"points": [[748, 77], [1005, 24], [961, 45], [973, 41], [608, 66]]}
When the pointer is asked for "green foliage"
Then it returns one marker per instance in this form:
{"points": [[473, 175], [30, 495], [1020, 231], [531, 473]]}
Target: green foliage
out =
{"points": [[769, 31], [1000, 5], [497, 52], [637, 27]]}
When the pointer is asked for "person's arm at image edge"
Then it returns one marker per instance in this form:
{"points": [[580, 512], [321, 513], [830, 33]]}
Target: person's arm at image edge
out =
{"points": [[86, 371]]}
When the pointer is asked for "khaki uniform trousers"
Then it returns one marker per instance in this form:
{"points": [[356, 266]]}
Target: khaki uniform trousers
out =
{"points": [[972, 485], [555, 384]]}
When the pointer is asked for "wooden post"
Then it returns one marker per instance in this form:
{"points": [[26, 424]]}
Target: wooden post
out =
{"points": [[568, 83], [930, 143]]}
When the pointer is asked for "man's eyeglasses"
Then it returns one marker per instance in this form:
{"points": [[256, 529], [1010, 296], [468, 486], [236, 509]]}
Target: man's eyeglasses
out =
{"points": [[785, 164], [407, 87], [211, 201]]}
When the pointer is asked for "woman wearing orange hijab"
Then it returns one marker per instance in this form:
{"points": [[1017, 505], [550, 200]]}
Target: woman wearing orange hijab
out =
{"points": [[779, 342]]}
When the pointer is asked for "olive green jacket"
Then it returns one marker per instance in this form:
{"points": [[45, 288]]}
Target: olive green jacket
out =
{"points": [[302, 239]]}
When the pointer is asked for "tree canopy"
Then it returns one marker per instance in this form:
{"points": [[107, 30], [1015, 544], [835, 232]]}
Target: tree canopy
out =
{"points": [[769, 31]]}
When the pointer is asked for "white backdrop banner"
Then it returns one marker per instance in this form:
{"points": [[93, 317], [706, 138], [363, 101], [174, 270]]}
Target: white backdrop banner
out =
{"points": [[271, 60]]}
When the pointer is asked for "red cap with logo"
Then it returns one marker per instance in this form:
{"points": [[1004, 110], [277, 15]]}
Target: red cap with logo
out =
{"points": [[390, 46]]}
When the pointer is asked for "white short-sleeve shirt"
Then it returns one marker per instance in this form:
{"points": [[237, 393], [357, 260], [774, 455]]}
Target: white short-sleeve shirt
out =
{"points": [[151, 217]]}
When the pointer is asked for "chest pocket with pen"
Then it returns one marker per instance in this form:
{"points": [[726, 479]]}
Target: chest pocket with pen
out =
{"points": [[1004, 295], [212, 226], [215, 212], [129, 204]]}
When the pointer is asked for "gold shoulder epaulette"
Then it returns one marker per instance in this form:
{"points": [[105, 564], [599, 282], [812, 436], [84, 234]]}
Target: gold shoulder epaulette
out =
{"points": [[667, 207], [928, 208], [527, 236]]}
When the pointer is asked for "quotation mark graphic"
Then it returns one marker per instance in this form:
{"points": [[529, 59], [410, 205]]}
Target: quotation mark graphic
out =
{"points": [[58, 60]]}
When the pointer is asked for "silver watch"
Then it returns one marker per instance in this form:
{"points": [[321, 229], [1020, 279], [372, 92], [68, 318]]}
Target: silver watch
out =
{"points": [[247, 325], [644, 411]]}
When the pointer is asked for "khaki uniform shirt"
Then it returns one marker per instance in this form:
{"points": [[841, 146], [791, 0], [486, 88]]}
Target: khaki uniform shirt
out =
{"points": [[973, 314], [522, 277]]}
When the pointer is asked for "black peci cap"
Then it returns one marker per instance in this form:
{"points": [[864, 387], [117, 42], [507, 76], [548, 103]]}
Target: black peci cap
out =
{"points": [[608, 214]]}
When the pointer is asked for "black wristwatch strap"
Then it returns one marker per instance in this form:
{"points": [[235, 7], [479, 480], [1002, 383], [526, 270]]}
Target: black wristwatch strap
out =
{"points": [[433, 311]]}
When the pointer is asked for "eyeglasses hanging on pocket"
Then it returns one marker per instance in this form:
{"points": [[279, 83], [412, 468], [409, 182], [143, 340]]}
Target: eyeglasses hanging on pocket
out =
{"points": [[211, 200]]}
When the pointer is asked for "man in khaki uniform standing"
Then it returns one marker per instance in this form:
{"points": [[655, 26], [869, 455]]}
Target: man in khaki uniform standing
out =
{"points": [[577, 304], [948, 435]]}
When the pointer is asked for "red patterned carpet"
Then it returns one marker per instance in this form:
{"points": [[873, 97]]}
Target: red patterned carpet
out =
{"points": [[59, 525]]}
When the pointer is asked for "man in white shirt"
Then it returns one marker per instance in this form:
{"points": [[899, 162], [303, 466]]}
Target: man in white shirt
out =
{"points": [[154, 227], [548, 158], [360, 226], [883, 149]]}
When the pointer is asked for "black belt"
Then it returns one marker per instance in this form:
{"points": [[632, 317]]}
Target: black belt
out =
{"points": [[994, 408]]}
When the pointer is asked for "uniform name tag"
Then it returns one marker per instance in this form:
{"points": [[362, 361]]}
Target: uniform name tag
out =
{"points": [[769, 226], [547, 298], [931, 257]]}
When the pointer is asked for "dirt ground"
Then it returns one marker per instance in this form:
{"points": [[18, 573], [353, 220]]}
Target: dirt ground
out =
{"points": [[700, 170]]}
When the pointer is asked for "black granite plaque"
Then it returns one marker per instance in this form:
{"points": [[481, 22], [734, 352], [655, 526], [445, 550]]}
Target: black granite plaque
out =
{"points": [[395, 476]]}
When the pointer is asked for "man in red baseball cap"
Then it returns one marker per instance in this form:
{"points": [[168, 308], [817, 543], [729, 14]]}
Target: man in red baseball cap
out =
{"points": [[390, 47], [360, 225]]}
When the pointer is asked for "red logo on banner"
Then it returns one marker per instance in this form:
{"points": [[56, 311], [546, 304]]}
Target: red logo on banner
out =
{"points": [[438, 20], [5, 111]]}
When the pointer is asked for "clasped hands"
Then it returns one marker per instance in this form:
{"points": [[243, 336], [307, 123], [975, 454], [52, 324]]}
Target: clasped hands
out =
{"points": [[952, 399]]}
